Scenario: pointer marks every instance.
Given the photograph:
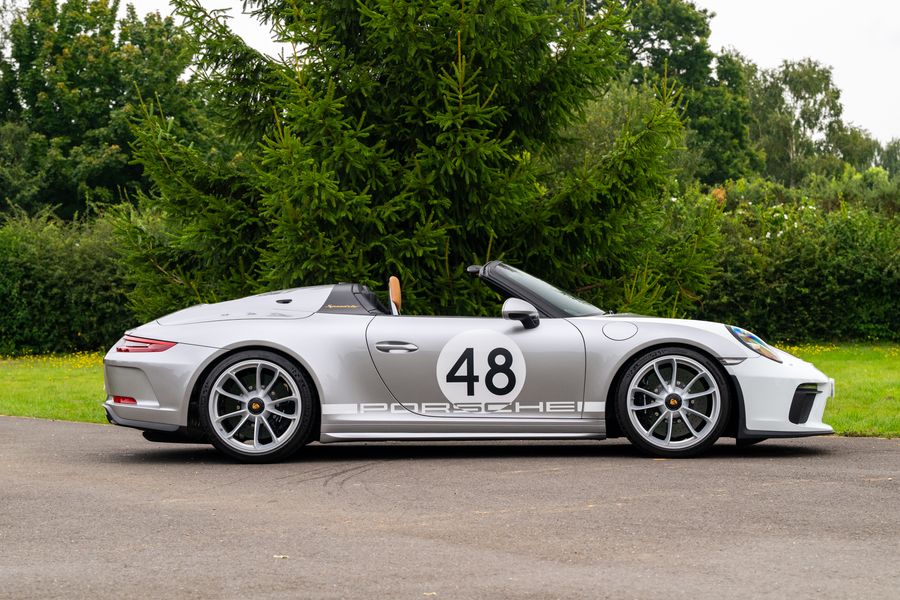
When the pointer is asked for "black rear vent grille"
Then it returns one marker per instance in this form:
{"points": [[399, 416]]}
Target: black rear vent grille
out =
{"points": [[802, 403]]}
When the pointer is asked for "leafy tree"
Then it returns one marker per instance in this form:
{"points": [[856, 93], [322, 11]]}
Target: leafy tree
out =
{"points": [[889, 157], [795, 108], [847, 145], [670, 38], [405, 137], [720, 115], [67, 94], [661, 261]]}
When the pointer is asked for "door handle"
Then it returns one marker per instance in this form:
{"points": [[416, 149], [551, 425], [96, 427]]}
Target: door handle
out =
{"points": [[395, 347]]}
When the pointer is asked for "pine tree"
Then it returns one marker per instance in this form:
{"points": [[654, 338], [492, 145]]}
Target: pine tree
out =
{"points": [[404, 136]]}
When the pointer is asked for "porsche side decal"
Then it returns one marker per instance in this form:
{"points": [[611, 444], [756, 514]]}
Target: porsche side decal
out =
{"points": [[445, 408]]}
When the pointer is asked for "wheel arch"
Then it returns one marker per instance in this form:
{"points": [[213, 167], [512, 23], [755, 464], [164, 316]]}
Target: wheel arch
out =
{"points": [[611, 414], [193, 419]]}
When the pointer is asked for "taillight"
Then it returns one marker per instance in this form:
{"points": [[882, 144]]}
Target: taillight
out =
{"points": [[124, 400], [135, 344]]}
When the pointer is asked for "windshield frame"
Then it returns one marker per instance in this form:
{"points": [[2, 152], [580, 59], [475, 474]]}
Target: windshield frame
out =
{"points": [[550, 301]]}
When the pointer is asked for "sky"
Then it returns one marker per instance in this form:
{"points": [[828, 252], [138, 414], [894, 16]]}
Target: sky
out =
{"points": [[859, 40]]}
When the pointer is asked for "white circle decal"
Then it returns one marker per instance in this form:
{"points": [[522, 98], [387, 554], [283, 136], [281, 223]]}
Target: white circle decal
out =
{"points": [[481, 371]]}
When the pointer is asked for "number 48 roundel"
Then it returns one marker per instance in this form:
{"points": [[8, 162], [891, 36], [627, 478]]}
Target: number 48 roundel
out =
{"points": [[481, 369]]}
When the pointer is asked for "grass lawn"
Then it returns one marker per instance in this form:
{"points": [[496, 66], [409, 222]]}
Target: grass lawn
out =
{"points": [[67, 387], [867, 379]]}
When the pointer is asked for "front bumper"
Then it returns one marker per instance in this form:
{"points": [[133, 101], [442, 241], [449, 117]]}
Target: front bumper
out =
{"points": [[160, 382], [781, 400]]}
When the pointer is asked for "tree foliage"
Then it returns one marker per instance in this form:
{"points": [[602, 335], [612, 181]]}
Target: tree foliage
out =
{"points": [[601, 145], [402, 137], [889, 157], [670, 39], [657, 253], [67, 93], [797, 123]]}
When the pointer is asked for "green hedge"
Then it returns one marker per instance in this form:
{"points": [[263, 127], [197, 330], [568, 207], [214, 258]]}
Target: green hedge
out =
{"points": [[61, 288], [794, 268]]}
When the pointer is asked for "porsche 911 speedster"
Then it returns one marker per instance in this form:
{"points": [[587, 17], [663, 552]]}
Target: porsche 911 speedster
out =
{"points": [[261, 376]]}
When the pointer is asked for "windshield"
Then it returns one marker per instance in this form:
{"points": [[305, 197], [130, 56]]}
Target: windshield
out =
{"points": [[567, 304]]}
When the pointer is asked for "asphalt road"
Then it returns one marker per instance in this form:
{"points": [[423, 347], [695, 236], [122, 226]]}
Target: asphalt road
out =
{"points": [[91, 511]]}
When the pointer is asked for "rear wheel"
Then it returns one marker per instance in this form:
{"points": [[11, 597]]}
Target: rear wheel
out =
{"points": [[257, 406], [673, 402]]}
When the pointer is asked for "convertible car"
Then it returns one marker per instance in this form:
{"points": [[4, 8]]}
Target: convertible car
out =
{"points": [[260, 377]]}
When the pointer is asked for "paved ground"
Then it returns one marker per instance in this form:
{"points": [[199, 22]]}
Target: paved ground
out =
{"points": [[92, 511]]}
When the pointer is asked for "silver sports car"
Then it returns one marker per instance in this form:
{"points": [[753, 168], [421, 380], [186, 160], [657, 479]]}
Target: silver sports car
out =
{"points": [[261, 376]]}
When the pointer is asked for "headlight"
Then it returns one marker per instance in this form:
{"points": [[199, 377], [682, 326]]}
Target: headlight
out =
{"points": [[754, 342]]}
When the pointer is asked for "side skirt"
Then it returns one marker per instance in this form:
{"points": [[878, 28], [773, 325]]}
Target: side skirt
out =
{"points": [[430, 428]]}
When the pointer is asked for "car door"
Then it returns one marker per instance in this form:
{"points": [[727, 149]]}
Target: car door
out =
{"points": [[480, 367]]}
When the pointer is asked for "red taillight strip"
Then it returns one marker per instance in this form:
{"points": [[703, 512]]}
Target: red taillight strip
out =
{"points": [[137, 344]]}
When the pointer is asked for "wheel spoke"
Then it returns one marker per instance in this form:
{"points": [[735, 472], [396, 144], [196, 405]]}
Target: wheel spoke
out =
{"points": [[285, 399], [687, 388], [259, 377], [699, 394], [283, 415], [659, 376], [256, 432], [649, 393], [239, 425], [221, 391], [686, 421], [238, 381], [699, 414], [269, 427], [674, 373], [271, 383], [221, 418], [669, 432], [633, 406], [655, 425]]}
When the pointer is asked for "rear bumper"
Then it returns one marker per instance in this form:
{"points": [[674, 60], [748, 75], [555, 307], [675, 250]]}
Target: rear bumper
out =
{"points": [[160, 383], [115, 419]]}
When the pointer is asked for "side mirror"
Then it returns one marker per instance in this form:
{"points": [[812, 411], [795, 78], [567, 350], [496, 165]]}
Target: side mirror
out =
{"points": [[516, 309]]}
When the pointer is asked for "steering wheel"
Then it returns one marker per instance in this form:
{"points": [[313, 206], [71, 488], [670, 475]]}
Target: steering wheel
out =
{"points": [[396, 297]]}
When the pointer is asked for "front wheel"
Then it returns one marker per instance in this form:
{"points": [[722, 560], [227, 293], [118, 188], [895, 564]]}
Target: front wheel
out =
{"points": [[673, 402], [257, 406]]}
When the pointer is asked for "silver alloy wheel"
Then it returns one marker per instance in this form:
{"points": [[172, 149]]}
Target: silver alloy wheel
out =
{"points": [[255, 406], [674, 402]]}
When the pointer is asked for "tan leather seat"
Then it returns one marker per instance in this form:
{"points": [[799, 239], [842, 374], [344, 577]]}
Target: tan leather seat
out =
{"points": [[396, 296]]}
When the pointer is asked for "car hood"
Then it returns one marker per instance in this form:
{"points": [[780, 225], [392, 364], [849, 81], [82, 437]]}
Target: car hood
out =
{"points": [[640, 332], [295, 303], [710, 326], [713, 336]]}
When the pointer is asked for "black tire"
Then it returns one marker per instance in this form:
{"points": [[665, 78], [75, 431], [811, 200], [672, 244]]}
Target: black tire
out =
{"points": [[286, 433], [708, 428]]}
